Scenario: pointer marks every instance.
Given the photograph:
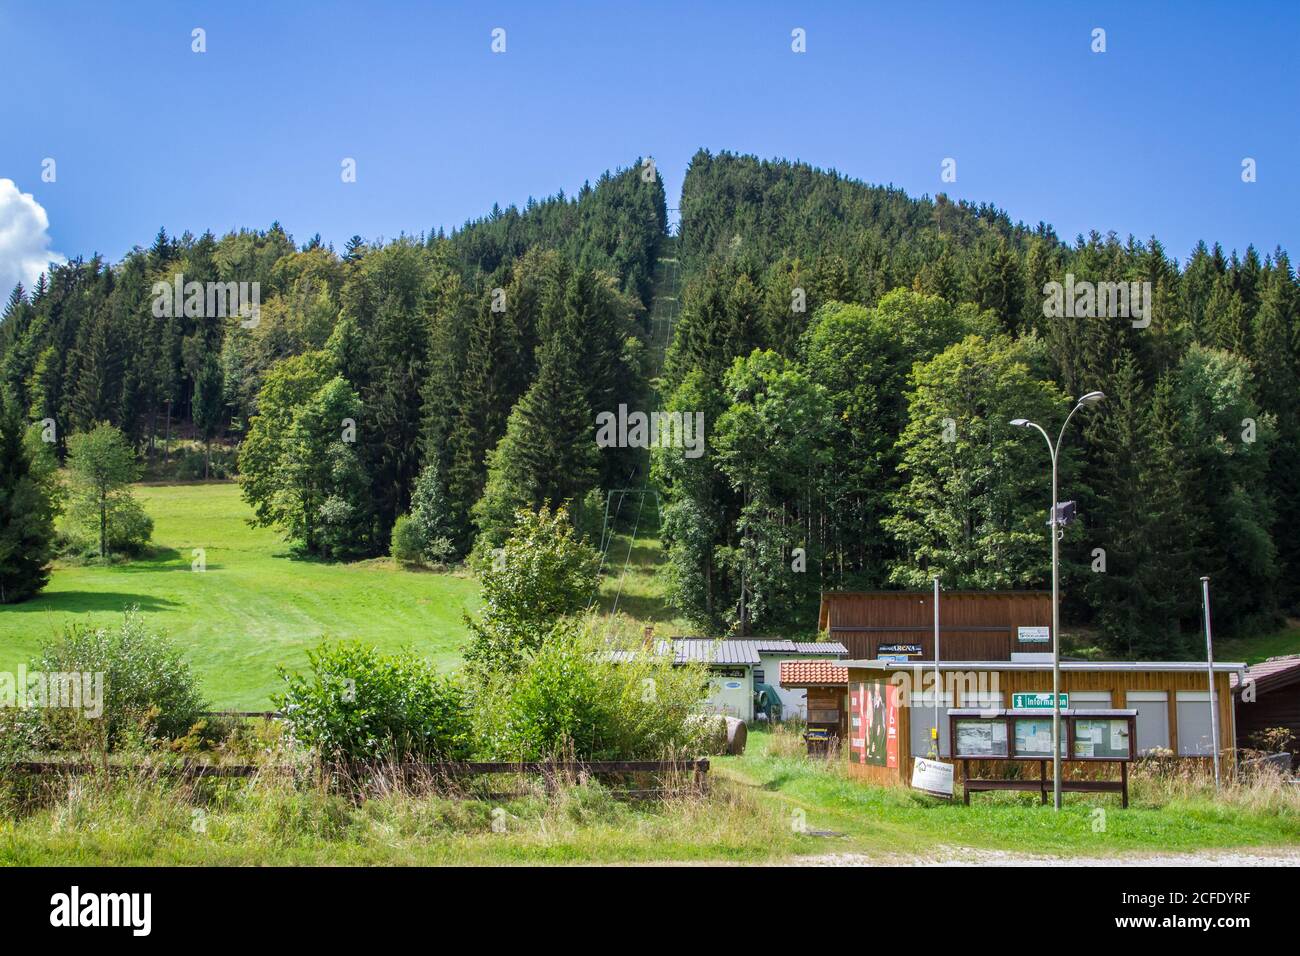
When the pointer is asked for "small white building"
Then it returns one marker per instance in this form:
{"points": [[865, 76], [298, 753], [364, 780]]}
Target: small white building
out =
{"points": [[794, 700], [737, 668]]}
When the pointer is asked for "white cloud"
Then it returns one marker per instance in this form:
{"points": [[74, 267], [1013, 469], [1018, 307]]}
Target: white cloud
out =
{"points": [[24, 239]]}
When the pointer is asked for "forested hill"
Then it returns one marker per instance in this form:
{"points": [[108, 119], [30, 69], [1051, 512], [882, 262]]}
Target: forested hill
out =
{"points": [[434, 346], [775, 209], [859, 354], [856, 355], [614, 226]]}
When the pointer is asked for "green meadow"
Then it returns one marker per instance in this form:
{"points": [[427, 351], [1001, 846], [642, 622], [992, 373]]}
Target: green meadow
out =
{"points": [[254, 607]]}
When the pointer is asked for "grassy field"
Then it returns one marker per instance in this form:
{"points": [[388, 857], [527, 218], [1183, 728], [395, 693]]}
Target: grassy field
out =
{"points": [[768, 806], [254, 607], [1252, 650], [1163, 816]]}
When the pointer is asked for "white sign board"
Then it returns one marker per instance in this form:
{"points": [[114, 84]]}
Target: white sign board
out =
{"points": [[932, 776], [1034, 635]]}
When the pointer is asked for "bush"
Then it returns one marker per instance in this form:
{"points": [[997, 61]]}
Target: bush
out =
{"points": [[543, 573], [148, 689], [431, 512], [407, 546], [360, 704], [129, 526], [423, 536], [589, 697]]}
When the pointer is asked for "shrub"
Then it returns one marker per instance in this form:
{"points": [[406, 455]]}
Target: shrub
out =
{"points": [[407, 547], [129, 527], [440, 550], [191, 464], [360, 704], [423, 536], [584, 695], [543, 572], [148, 688]]}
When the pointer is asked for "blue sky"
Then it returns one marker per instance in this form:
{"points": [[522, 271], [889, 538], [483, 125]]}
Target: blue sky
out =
{"points": [[1146, 138]]}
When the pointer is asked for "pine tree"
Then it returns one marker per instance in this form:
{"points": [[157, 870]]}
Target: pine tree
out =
{"points": [[1278, 383], [548, 453], [1138, 538], [27, 508], [209, 407]]}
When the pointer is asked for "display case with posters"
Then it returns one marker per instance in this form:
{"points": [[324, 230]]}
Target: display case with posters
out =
{"points": [[1026, 735], [980, 737], [1101, 738], [1033, 736]]}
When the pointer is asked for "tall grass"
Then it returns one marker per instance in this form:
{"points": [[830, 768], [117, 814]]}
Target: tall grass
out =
{"points": [[273, 818]]}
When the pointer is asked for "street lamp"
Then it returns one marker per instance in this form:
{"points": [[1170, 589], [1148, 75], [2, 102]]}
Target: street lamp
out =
{"points": [[1092, 398]]}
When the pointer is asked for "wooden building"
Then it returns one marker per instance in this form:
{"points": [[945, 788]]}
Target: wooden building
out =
{"points": [[827, 684], [892, 705], [1268, 696], [973, 625]]}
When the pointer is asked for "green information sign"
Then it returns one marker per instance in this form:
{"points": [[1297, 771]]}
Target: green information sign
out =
{"points": [[1037, 701]]}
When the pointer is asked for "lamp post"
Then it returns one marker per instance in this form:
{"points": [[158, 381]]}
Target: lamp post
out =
{"points": [[1092, 398], [1209, 656], [938, 683]]}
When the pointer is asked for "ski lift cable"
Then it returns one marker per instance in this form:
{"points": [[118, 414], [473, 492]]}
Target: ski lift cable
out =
{"points": [[631, 542]]}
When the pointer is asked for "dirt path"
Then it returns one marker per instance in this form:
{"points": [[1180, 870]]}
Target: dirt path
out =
{"points": [[964, 856]]}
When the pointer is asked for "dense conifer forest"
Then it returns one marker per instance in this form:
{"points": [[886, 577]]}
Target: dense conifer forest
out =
{"points": [[856, 353]]}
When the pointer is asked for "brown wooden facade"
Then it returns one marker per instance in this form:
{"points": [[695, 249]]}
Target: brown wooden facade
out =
{"points": [[1273, 701], [973, 625], [1008, 682], [827, 706]]}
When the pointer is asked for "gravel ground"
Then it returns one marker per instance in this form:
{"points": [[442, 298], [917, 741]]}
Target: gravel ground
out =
{"points": [[963, 856]]}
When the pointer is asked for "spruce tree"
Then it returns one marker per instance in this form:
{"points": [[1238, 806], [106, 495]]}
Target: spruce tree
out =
{"points": [[27, 507], [549, 451]]}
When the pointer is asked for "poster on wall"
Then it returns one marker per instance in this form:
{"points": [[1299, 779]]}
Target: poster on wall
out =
{"points": [[873, 737], [857, 744]]}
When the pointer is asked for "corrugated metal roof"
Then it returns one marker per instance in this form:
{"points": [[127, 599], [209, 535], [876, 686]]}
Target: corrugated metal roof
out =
{"points": [[724, 652], [783, 646], [830, 648], [701, 649], [717, 652]]}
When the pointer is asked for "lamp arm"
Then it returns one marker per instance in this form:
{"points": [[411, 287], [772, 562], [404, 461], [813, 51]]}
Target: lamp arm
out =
{"points": [[1050, 448], [1061, 437]]}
